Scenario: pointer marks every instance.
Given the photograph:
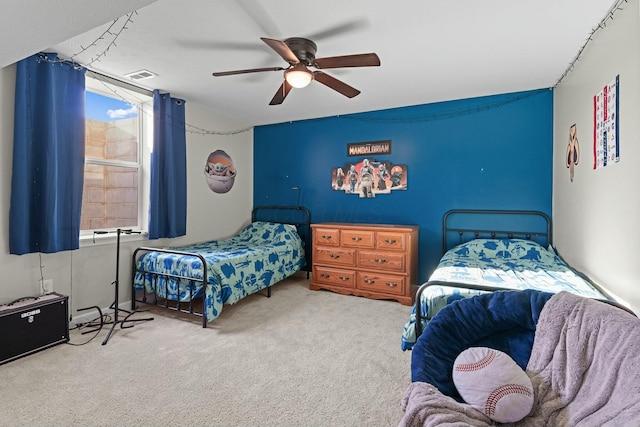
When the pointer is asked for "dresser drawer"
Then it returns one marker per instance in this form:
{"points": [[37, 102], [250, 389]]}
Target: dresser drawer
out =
{"points": [[334, 276], [391, 240], [326, 237], [385, 283], [336, 256], [357, 238], [393, 261]]}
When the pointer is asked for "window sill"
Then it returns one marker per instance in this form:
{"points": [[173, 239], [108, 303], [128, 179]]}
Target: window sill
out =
{"points": [[110, 238]]}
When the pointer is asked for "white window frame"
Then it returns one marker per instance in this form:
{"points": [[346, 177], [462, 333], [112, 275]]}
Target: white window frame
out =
{"points": [[143, 99]]}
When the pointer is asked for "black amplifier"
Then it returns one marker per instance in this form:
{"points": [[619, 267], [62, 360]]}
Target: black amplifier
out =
{"points": [[33, 324]]}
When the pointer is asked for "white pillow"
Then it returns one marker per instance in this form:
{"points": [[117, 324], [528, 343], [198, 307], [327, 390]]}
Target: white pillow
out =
{"points": [[493, 383]]}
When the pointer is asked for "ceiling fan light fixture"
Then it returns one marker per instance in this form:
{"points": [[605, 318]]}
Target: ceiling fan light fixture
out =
{"points": [[300, 55], [298, 77]]}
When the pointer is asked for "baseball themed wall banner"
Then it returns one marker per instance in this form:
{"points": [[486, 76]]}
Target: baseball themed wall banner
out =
{"points": [[606, 122]]}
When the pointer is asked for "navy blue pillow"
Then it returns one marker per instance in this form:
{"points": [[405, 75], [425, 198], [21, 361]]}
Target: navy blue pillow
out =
{"points": [[502, 320]]}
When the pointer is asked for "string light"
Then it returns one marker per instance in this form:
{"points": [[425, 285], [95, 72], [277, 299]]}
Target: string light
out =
{"points": [[608, 17], [618, 6], [112, 33], [200, 131], [109, 32], [447, 114], [188, 128], [115, 33]]}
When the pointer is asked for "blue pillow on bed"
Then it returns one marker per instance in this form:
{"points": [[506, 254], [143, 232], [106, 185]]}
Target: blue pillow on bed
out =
{"points": [[503, 320]]}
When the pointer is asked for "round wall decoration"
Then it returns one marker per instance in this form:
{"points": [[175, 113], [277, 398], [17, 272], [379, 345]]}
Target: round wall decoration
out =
{"points": [[219, 172]]}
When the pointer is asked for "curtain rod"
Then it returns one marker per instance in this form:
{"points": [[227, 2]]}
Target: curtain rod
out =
{"points": [[112, 80]]}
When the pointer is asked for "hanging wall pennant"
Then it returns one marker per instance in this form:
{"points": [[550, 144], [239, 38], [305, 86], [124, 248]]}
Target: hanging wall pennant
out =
{"points": [[572, 157]]}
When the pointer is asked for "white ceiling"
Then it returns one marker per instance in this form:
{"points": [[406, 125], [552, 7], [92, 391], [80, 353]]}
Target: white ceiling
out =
{"points": [[430, 50]]}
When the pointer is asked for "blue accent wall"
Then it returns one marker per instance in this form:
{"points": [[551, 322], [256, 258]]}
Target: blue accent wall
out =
{"points": [[491, 152]]}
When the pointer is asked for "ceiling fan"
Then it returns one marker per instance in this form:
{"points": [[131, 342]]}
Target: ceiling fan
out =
{"points": [[304, 67]]}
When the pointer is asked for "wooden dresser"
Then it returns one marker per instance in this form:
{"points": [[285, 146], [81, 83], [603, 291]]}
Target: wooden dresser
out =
{"points": [[370, 260]]}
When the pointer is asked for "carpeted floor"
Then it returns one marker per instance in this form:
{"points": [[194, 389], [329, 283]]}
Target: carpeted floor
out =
{"points": [[299, 358]]}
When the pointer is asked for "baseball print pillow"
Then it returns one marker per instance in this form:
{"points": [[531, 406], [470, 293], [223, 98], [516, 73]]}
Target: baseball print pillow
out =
{"points": [[491, 382]]}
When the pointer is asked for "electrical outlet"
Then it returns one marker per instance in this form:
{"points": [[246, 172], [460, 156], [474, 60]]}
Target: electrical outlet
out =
{"points": [[46, 286]]}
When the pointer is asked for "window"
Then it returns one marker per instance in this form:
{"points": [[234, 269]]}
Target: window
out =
{"points": [[117, 151]]}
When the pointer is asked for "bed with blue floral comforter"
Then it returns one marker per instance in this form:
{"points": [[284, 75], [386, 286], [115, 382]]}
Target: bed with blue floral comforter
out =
{"points": [[259, 256], [517, 264]]}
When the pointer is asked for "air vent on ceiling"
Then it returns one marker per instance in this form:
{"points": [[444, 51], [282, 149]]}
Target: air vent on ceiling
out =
{"points": [[140, 75]]}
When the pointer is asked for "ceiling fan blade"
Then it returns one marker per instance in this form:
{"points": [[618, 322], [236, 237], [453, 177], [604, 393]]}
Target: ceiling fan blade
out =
{"points": [[360, 60], [282, 49], [335, 84], [250, 70], [339, 29], [281, 94]]}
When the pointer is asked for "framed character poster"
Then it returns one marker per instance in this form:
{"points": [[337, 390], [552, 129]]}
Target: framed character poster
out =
{"points": [[368, 178]]}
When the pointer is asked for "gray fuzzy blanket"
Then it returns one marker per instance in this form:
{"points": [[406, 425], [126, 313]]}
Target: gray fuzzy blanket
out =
{"points": [[584, 366]]}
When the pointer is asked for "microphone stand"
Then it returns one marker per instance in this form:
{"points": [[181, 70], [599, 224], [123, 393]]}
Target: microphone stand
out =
{"points": [[115, 305]]}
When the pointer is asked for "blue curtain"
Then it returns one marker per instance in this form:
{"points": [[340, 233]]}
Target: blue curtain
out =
{"points": [[168, 198], [48, 156]]}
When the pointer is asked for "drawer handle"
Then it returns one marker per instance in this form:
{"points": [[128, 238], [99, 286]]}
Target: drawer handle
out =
{"points": [[325, 276], [356, 238], [344, 278], [334, 256], [390, 241], [391, 284], [369, 281], [380, 260], [326, 236]]}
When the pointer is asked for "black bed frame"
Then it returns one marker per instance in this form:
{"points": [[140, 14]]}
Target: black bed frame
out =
{"points": [[462, 225], [299, 216], [536, 226]]}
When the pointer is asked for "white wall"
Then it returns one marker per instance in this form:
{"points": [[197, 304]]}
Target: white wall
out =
{"points": [[86, 274], [596, 217]]}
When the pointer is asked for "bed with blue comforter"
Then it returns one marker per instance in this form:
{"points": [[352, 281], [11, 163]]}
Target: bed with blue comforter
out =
{"points": [[495, 263], [218, 272]]}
